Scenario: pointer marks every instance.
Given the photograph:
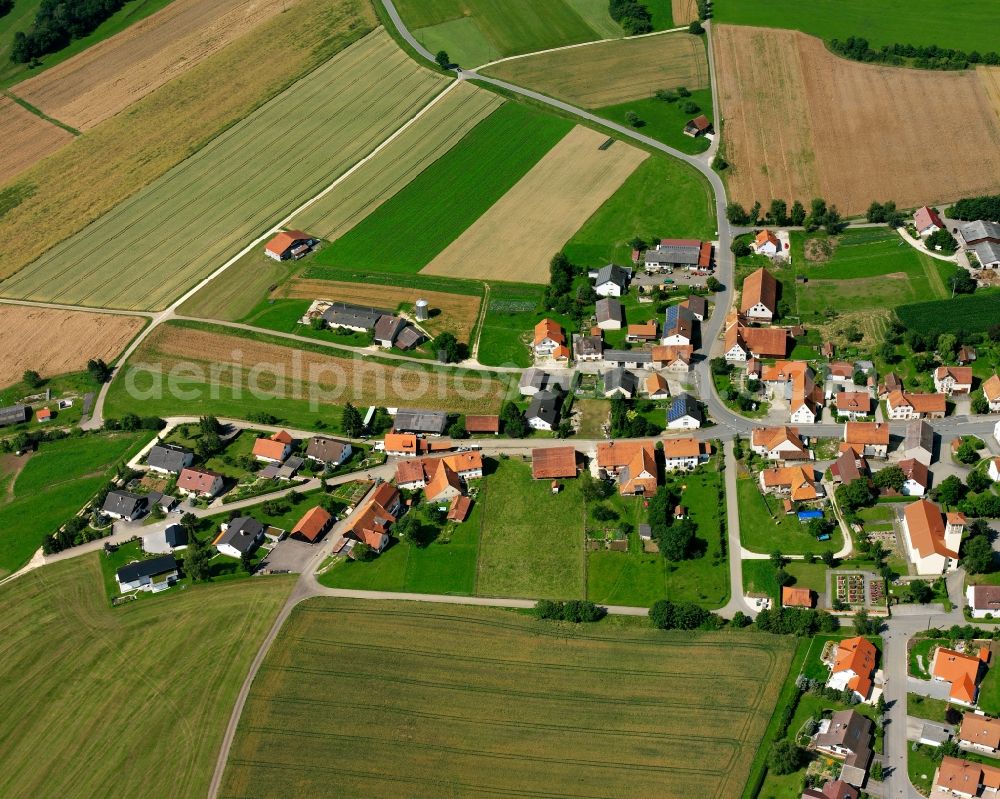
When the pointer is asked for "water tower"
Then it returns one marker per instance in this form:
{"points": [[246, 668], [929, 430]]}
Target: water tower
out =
{"points": [[422, 310]]}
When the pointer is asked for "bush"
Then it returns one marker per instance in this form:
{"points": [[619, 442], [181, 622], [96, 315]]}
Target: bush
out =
{"points": [[740, 247], [575, 610], [785, 757], [696, 28], [667, 615]]}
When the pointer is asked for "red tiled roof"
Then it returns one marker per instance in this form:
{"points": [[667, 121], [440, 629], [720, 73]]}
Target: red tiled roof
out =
{"points": [[549, 462], [313, 524], [284, 240], [482, 424]]}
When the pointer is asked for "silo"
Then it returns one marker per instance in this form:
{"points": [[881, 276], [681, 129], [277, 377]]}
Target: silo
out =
{"points": [[422, 310]]}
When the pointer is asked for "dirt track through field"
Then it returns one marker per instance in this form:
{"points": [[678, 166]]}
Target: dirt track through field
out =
{"points": [[516, 238], [53, 342], [113, 74], [26, 138], [802, 123], [612, 72]]}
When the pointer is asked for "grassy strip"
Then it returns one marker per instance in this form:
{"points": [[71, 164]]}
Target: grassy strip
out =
{"points": [[39, 113], [776, 728]]}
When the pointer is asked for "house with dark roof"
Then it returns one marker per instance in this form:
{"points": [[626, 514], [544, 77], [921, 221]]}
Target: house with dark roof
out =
{"points": [[413, 420], [919, 442], [13, 414], [979, 231], [609, 314], [154, 575], [620, 382], [328, 450], [353, 317], [543, 411], [670, 254], [588, 348], [684, 413], [697, 305], [168, 458], [239, 537], [629, 359], [387, 328], [125, 505], [611, 281], [984, 601], [847, 736], [408, 338], [678, 325]]}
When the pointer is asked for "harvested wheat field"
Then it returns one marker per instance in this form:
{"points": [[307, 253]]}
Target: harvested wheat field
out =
{"points": [[483, 702], [26, 138], [148, 249], [53, 342], [684, 11], [802, 123], [516, 238], [436, 131], [612, 72], [990, 76], [113, 74], [451, 313], [247, 367]]}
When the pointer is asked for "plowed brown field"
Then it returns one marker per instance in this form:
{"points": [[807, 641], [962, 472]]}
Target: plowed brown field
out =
{"points": [[26, 138], [111, 75], [801, 122], [457, 315], [53, 342]]}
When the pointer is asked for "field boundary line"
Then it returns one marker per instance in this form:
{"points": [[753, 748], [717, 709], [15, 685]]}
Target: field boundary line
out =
{"points": [[484, 304], [578, 44], [41, 114]]}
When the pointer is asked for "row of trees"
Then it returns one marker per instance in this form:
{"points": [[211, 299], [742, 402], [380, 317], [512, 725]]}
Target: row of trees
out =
{"points": [[575, 610], [57, 23], [931, 56], [819, 215], [984, 207]]}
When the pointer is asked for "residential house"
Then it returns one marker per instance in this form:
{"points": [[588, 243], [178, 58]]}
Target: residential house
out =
{"points": [[684, 453], [918, 477], [840, 371], [794, 381], [330, 451], [642, 332], [629, 359], [980, 732], [684, 413], [759, 302], [890, 383], [402, 445], [919, 442], [631, 463], [413, 420], [932, 539], [699, 126], [620, 382], [798, 483], [673, 358], [273, 449], [43, 415], [670, 254], [125, 505], [849, 467], [289, 245], [551, 463], [458, 510], [766, 243], [543, 411], [965, 779], [906, 405], [984, 601], [847, 736], [550, 340], [313, 524], [240, 536], [14, 414], [655, 387], [170, 539], [870, 439], [588, 348], [927, 221], [154, 574], [797, 597], [966, 354], [444, 483], [853, 404], [482, 425], [198, 482], [611, 281], [953, 379], [168, 458], [834, 789], [991, 390], [961, 670], [993, 469], [387, 329], [609, 314], [421, 472], [743, 343], [353, 317], [779, 443], [854, 667], [697, 305], [678, 325], [534, 380], [370, 525]]}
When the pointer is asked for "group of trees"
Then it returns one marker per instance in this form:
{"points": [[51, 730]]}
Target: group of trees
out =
{"points": [[559, 295], [800, 622], [977, 549], [680, 93], [941, 240], [627, 422], [931, 56], [667, 615], [512, 421], [676, 538], [632, 15], [575, 610], [131, 422], [351, 421], [99, 370], [449, 349], [819, 215], [984, 207], [57, 23], [885, 212]]}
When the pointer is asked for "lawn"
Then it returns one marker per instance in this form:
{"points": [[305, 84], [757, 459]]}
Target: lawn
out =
{"points": [[55, 483], [531, 540], [869, 269], [926, 708], [511, 315], [71, 384], [460, 694], [989, 693], [665, 121], [447, 565], [765, 527], [180, 656], [663, 198], [476, 31], [151, 247], [963, 24], [450, 194], [22, 16]]}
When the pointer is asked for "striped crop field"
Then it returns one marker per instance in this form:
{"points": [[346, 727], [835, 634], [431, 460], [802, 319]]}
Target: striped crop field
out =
{"points": [[441, 127], [147, 250], [462, 701]]}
